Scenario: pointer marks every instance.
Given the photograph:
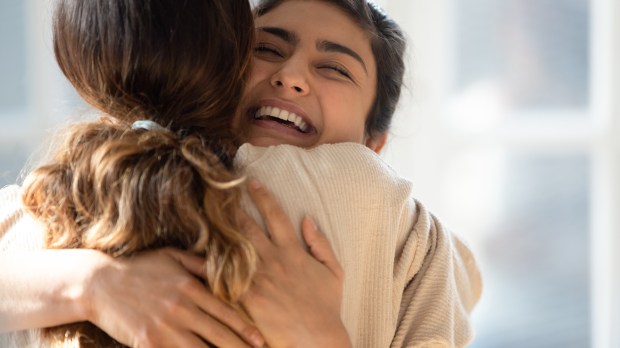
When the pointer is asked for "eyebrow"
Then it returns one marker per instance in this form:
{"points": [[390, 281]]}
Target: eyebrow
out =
{"points": [[283, 34], [329, 46], [323, 45]]}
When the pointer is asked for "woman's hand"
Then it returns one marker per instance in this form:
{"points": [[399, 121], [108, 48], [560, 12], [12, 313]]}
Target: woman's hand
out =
{"points": [[155, 300], [151, 300], [296, 297]]}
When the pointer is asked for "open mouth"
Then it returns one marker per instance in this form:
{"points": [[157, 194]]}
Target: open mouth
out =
{"points": [[284, 117]]}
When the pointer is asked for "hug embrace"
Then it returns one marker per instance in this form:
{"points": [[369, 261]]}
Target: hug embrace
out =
{"points": [[230, 191]]}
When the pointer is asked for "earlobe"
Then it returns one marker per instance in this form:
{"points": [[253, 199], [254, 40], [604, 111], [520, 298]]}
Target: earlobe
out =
{"points": [[376, 143]]}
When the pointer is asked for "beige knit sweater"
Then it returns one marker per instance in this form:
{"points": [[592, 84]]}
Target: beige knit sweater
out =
{"points": [[409, 282]]}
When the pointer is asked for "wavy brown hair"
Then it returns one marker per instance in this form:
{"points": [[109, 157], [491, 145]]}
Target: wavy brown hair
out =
{"points": [[181, 63]]}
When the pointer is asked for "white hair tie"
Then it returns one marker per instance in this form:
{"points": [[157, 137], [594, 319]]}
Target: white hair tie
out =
{"points": [[149, 125]]}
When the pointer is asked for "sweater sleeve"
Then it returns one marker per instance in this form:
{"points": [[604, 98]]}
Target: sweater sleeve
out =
{"points": [[18, 230], [443, 284]]}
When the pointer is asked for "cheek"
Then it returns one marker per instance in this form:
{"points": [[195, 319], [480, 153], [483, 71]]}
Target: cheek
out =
{"points": [[259, 71], [347, 117]]}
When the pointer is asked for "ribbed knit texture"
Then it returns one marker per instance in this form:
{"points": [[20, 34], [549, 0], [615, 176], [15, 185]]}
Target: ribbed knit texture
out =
{"points": [[408, 281], [18, 230]]}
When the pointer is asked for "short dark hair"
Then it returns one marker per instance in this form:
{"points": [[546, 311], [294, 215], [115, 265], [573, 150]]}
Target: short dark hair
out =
{"points": [[388, 45]]}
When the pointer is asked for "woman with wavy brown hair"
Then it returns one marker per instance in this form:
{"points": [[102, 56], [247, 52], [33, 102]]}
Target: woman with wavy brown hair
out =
{"points": [[122, 184]]}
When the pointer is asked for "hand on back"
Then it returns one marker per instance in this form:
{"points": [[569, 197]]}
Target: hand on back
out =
{"points": [[156, 300], [296, 296]]}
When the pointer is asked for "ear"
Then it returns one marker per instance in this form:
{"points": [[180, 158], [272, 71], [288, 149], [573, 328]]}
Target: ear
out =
{"points": [[376, 143]]}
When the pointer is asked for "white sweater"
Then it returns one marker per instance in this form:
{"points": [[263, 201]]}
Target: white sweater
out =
{"points": [[409, 282]]}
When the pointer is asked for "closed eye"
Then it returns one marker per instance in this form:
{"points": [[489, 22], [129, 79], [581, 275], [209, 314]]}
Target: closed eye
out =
{"points": [[265, 49], [339, 70]]}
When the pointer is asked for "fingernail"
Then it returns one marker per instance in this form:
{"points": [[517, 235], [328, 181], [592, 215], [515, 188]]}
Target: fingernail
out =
{"points": [[257, 340], [255, 184], [311, 223]]}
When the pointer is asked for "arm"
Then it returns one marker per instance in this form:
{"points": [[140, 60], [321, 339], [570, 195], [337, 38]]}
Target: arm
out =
{"points": [[296, 296], [154, 297], [32, 292], [150, 300]]}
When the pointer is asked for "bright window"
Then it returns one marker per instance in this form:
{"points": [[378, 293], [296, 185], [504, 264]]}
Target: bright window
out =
{"points": [[34, 97], [507, 129]]}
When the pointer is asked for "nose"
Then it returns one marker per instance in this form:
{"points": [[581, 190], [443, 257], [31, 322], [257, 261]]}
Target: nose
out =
{"points": [[291, 79]]}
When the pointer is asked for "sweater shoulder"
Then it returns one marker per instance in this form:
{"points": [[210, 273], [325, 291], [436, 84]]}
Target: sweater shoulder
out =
{"points": [[18, 230], [10, 207], [349, 164]]}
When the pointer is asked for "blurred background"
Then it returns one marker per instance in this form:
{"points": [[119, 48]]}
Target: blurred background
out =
{"points": [[508, 128]]}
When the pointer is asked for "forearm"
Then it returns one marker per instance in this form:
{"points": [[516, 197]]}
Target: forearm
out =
{"points": [[44, 288]]}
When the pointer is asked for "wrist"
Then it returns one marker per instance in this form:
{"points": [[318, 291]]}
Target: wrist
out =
{"points": [[94, 265], [330, 335], [339, 337]]}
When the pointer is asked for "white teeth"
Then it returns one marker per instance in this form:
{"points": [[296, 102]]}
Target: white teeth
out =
{"points": [[283, 115]]}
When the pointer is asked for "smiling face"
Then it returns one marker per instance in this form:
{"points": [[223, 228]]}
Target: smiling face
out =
{"points": [[313, 78]]}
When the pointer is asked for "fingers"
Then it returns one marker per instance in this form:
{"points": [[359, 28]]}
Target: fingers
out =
{"points": [[194, 264], [278, 223], [223, 314], [187, 340], [223, 325], [255, 234], [319, 246], [221, 335], [202, 328]]}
